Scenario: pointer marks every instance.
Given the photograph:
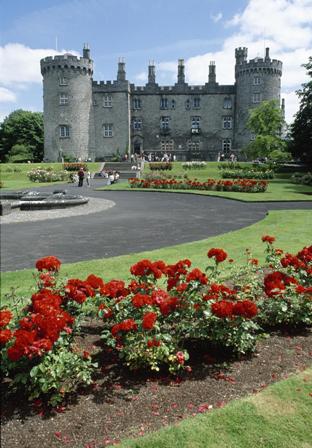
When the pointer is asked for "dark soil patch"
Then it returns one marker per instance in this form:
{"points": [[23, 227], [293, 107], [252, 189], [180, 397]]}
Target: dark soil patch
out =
{"points": [[129, 404]]}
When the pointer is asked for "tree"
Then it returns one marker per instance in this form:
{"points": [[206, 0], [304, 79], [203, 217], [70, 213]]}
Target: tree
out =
{"points": [[25, 128], [20, 153], [301, 129], [266, 122]]}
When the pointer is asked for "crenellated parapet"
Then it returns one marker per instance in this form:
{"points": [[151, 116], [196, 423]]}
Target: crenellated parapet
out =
{"points": [[66, 62], [264, 65]]}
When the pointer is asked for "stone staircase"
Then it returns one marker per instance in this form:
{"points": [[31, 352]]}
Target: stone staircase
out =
{"points": [[123, 168]]}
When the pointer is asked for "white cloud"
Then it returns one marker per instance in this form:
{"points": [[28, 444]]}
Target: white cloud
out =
{"points": [[141, 77], [7, 96], [282, 25], [19, 65], [216, 17]]}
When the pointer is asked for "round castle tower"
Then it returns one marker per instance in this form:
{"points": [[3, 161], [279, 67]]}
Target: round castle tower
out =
{"points": [[255, 81], [67, 98]]}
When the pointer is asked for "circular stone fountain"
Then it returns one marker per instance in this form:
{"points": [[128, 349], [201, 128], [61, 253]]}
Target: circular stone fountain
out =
{"points": [[34, 200]]}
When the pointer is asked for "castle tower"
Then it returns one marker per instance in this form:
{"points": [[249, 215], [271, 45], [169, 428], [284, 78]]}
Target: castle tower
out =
{"points": [[255, 81], [67, 98]]}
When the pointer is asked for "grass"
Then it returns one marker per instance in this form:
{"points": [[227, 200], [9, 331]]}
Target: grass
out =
{"points": [[292, 229], [279, 189], [278, 417], [14, 175]]}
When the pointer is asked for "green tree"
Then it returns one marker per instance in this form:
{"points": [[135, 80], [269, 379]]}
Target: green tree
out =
{"points": [[301, 129], [25, 128], [266, 122], [20, 153]]}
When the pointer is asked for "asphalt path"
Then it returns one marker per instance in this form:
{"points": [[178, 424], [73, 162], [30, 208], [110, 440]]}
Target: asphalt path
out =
{"points": [[139, 221]]}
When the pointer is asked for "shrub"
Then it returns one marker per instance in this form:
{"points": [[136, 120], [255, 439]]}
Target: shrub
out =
{"points": [[300, 178], [193, 165], [75, 166], [47, 175], [247, 174], [160, 166]]}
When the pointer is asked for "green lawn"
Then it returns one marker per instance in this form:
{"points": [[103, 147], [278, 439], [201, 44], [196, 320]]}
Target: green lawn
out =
{"points": [[278, 417], [14, 175], [279, 189], [291, 228]]}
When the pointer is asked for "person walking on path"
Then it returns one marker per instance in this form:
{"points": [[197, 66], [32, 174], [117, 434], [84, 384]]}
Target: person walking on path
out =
{"points": [[81, 177], [88, 179]]}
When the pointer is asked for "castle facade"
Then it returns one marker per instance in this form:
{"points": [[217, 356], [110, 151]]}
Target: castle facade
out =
{"points": [[94, 120]]}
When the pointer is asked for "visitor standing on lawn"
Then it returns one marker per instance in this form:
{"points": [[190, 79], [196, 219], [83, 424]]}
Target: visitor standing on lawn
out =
{"points": [[81, 177]]}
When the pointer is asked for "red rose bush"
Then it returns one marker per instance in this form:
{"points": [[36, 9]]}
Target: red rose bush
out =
{"points": [[150, 319]]}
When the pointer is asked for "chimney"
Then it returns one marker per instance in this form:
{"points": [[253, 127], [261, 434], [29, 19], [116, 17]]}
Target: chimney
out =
{"points": [[121, 74], [267, 54], [212, 72], [181, 74], [151, 73], [86, 51]]}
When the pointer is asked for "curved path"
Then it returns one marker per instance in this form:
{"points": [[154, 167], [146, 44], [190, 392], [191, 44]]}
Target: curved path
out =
{"points": [[139, 221]]}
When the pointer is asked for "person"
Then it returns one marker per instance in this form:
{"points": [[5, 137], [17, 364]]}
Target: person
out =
{"points": [[88, 179], [218, 157], [81, 177], [222, 157], [232, 157]]}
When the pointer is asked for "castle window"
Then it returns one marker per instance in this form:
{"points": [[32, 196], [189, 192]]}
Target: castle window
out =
{"points": [[195, 123], [164, 122], [257, 81], [256, 98], [63, 81], [167, 145], [107, 101], [137, 124], [136, 103], [173, 104], [63, 99], [187, 104], [193, 146], [196, 103], [226, 145], [163, 103], [227, 103], [107, 130], [64, 131], [227, 122]]}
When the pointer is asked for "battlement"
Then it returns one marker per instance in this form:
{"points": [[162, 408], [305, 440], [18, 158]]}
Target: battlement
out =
{"points": [[66, 61], [256, 65]]}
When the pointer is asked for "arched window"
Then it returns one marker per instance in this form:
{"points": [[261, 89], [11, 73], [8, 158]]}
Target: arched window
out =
{"points": [[227, 103]]}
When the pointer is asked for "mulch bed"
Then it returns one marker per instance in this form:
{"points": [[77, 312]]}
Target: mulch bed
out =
{"points": [[124, 404]]}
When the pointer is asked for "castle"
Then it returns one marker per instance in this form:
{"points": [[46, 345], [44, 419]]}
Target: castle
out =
{"points": [[92, 120]]}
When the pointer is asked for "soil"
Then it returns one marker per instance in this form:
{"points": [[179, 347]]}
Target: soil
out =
{"points": [[123, 404]]}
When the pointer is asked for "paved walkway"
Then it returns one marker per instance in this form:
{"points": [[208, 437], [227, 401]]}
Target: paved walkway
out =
{"points": [[139, 221]]}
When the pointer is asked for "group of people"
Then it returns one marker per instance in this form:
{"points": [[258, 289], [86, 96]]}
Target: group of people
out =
{"points": [[81, 176], [225, 157], [112, 176]]}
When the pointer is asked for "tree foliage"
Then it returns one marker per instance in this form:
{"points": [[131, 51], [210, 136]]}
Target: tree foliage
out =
{"points": [[22, 130], [301, 129], [266, 122]]}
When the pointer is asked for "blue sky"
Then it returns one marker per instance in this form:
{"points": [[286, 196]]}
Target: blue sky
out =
{"points": [[141, 30]]}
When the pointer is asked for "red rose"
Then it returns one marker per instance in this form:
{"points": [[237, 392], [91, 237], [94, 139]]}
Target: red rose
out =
{"points": [[149, 320], [5, 317], [48, 264], [245, 308], [5, 336], [268, 239], [95, 282], [180, 357], [222, 309], [219, 254]]}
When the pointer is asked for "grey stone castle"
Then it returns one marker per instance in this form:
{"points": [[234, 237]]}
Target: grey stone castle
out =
{"points": [[95, 120]]}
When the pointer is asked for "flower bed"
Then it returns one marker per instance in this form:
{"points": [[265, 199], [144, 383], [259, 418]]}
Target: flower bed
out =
{"points": [[193, 165], [241, 185], [47, 175], [163, 166], [149, 320], [75, 166], [247, 174]]}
